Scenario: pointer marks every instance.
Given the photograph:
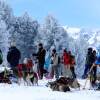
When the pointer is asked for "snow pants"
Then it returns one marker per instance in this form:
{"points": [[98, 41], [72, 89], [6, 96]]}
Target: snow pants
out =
{"points": [[86, 70], [73, 72], [40, 70], [67, 72]]}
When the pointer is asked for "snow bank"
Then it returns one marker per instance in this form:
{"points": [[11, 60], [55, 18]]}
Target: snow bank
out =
{"points": [[15, 92]]}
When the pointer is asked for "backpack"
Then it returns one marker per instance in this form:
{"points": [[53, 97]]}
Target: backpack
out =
{"points": [[1, 58]]}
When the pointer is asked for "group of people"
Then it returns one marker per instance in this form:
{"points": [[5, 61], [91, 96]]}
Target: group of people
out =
{"points": [[53, 69], [91, 63], [60, 65]]}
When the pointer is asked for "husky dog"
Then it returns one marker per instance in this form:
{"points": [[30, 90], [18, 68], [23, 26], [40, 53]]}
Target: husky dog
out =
{"points": [[30, 75], [31, 79], [5, 78], [73, 83], [64, 88], [63, 84], [58, 87]]}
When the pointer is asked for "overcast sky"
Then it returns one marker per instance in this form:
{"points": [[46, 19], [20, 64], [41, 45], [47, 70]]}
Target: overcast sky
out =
{"points": [[75, 13]]}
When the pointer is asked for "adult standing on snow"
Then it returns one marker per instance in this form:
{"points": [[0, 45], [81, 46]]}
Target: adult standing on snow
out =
{"points": [[47, 61], [66, 62], [89, 62], [94, 69], [1, 57], [72, 65], [41, 59], [13, 58], [55, 64]]}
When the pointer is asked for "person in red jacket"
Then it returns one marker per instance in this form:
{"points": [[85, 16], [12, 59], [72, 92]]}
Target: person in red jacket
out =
{"points": [[66, 58], [66, 62]]}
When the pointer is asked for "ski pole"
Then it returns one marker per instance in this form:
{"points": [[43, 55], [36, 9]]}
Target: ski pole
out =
{"points": [[88, 75]]}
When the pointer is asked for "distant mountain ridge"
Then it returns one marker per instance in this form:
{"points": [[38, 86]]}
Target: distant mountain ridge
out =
{"points": [[91, 35]]}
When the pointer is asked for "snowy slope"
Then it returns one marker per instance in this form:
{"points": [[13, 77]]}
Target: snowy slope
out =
{"points": [[72, 31], [15, 92], [91, 35]]}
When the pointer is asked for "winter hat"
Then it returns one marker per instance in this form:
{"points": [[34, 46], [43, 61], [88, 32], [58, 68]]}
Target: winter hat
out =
{"points": [[54, 50], [40, 44], [90, 49]]}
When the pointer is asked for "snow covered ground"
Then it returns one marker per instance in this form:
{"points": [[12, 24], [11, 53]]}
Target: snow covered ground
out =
{"points": [[41, 92]]}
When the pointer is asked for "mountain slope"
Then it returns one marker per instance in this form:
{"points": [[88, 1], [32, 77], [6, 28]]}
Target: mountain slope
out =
{"points": [[91, 35]]}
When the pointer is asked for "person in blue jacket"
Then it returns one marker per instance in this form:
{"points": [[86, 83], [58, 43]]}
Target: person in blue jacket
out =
{"points": [[47, 61]]}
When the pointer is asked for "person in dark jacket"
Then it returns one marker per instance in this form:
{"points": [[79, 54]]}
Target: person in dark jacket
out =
{"points": [[41, 59], [89, 62], [1, 57], [13, 58], [94, 70], [72, 65]]}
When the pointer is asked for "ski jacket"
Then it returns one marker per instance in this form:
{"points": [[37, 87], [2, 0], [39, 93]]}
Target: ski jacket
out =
{"points": [[41, 55], [13, 56], [66, 58], [54, 60]]}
